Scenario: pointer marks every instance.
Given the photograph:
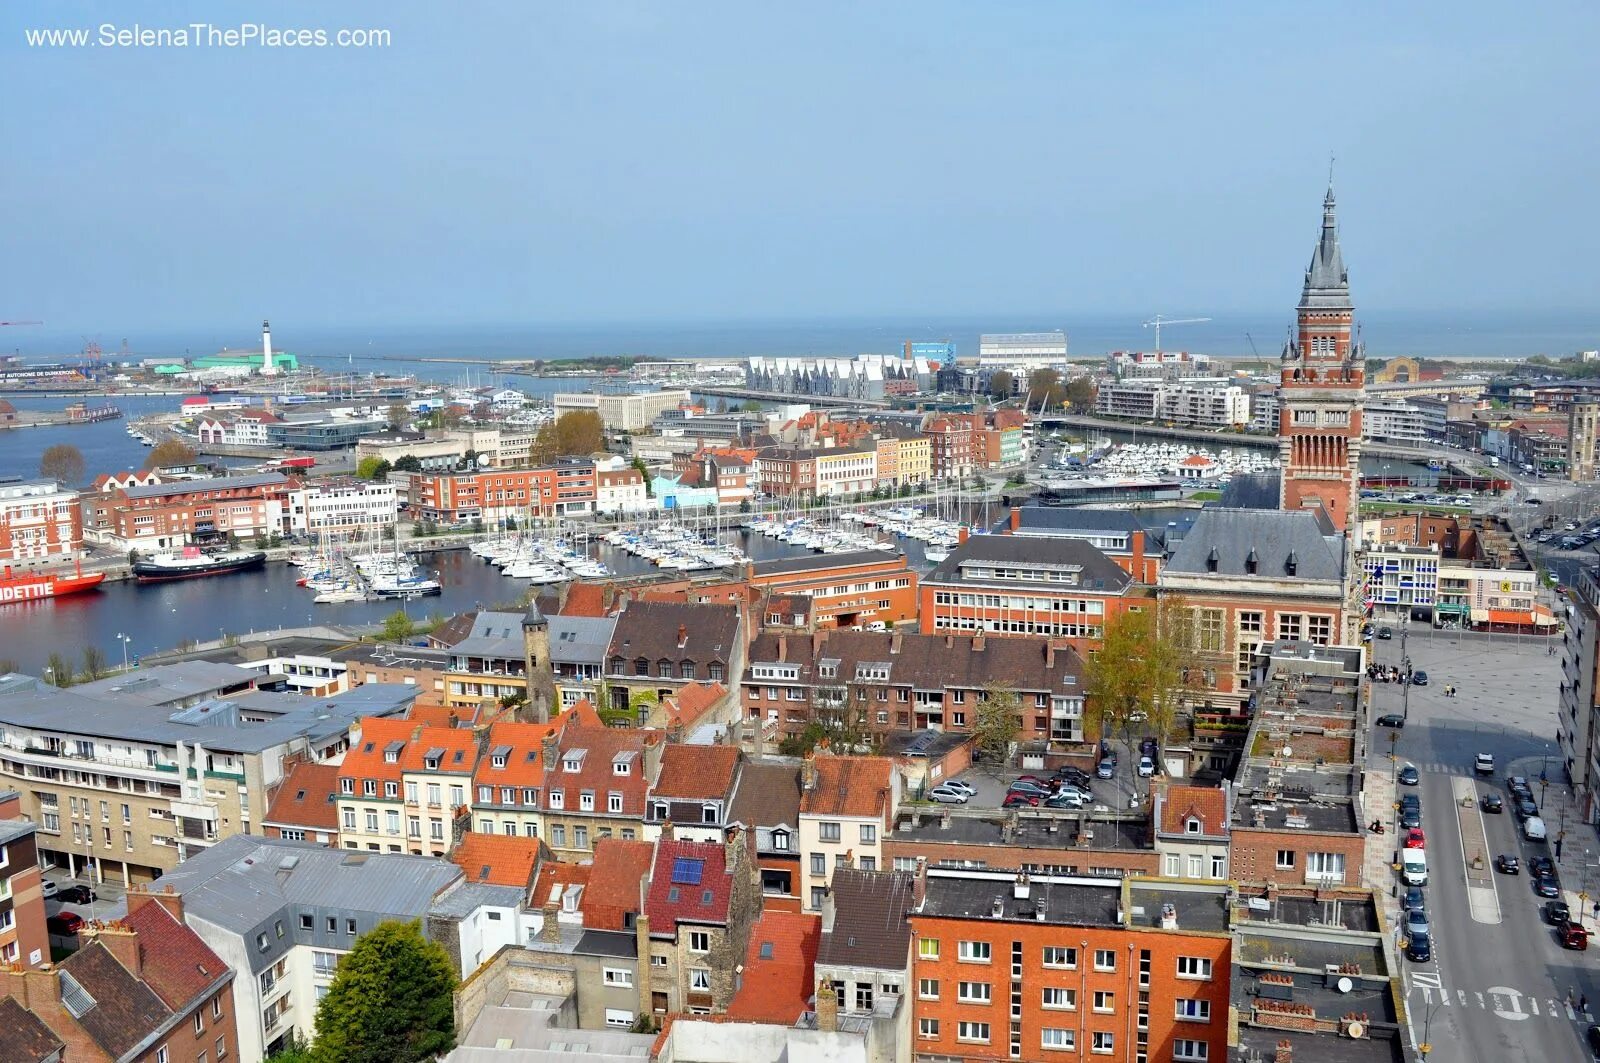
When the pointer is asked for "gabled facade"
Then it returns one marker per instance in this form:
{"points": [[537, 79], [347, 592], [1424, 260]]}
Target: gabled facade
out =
{"points": [[657, 647], [1191, 827], [701, 902], [693, 791], [847, 805]]}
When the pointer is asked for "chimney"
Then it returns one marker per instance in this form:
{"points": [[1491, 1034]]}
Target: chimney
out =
{"points": [[1137, 538], [549, 743], [39, 990], [683, 636], [808, 775], [120, 941], [733, 849], [1285, 1052], [666, 830], [641, 945], [896, 640], [944, 819], [919, 883], [849, 858], [1016, 517], [139, 896], [550, 932], [1049, 654], [977, 643], [783, 648], [827, 1007]]}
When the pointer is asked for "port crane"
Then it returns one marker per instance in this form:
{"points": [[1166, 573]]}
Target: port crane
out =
{"points": [[1158, 322]]}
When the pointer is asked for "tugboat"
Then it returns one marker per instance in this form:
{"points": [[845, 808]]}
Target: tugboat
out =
{"points": [[193, 563], [37, 585]]}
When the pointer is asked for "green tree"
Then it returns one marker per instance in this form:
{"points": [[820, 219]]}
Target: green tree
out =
{"points": [[63, 463], [58, 670], [168, 453], [750, 406], [1080, 394], [576, 432], [94, 664], [649, 483], [408, 463], [397, 626], [372, 468], [1045, 389], [399, 415], [390, 1001], [997, 724], [1002, 384], [1137, 676]]}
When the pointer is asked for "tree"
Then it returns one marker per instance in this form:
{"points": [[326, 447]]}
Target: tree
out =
{"points": [[58, 670], [649, 483], [399, 415], [998, 723], [751, 406], [62, 463], [94, 664], [397, 626], [1138, 674], [1002, 384], [408, 463], [1045, 389], [169, 452], [373, 468], [575, 432], [1080, 394], [390, 1001]]}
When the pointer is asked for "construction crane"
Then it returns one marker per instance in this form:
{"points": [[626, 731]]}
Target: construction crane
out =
{"points": [[21, 322], [1253, 350], [1158, 321]]}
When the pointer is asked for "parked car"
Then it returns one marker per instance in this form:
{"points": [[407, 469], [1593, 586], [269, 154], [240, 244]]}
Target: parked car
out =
{"points": [[1409, 776], [1483, 764], [1507, 864], [1415, 838], [1107, 768], [1149, 746], [77, 893], [1065, 799], [1414, 900], [1492, 803], [1035, 779], [1419, 948], [945, 794], [1147, 767], [1541, 865], [1525, 808], [1416, 922], [1419, 678], [1518, 786], [1546, 886], [1082, 791], [1591, 1039], [1074, 775], [1572, 936], [965, 787], [63, 924], [1391, 719], [1411, 816], [1556, 912], [1015, 800], [1024, 786], [49, 888]]}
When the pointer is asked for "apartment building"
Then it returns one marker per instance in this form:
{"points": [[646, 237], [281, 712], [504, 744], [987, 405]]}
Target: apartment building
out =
{"points": [[1191, 831], [304, 807], [490, 663], [847, 805], [1016, 966], [569, 486], [1579, 702], [1400, 580], [766, 802], [1107, 845], [693, 792], [282, 914], [510, 777], [818, 472], [578, 656], [145, 989], [846, 590], [1252, 576], [23, 940], [343, 505], [950, 446], [1191, 403], [657, 647], [40, 521], [884, 682], [161, 516], [402, 784], [621, 491], [596, 782], [137, 774], [623, 412], [905, 456], [1011, 585], [701, 901], [864, 955]]}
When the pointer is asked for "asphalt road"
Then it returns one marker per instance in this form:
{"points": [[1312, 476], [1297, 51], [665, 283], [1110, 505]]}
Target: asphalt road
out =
{"points": [[1496, 988]]}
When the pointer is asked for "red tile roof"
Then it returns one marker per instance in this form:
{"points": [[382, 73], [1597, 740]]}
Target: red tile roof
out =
{"points": [[498, 859], [848, 786], [585, 599], [1206, 803], [524, 764], [692, 702], [365, 757], [696, 772], [459, 751], [554, 879], [306, 798], [614, 882], [602, 747], [689, 880], [174, 962], [444, 715], [779, 969]]}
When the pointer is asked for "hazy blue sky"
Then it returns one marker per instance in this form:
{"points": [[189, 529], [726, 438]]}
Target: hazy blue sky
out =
{"points": [[599, 161]]}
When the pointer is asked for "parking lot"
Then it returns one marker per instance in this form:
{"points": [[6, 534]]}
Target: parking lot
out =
{"points": [[110, 901], [1122, 791]]}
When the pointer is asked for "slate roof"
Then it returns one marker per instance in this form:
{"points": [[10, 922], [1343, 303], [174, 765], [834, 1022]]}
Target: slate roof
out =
{"points": [[125, 1010], [766, 795], [1099, 572], [696, 772], [823, 562], [651, 630], [1327, 284], [689, 882], [779, 965], [492, 635], [307, 797], [498, 859], [869, 928], [24, 1038], [849, 786], [215, 483], [580, 639], [1272, 535], [1156, 523], [925, 662], [173, 960]]}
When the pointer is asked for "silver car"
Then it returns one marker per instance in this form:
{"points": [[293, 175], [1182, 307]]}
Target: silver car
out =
{"points": [[945, 794]]}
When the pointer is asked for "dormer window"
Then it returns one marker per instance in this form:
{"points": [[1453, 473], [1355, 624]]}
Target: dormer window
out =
{"points": [[1192, 826], [557, 799], [708, 813], [661, 812], [498, 761], [347, 786], [1252, 561], [780, 840], [391, 757], [369, 787], [573, 761], [431, 763]]}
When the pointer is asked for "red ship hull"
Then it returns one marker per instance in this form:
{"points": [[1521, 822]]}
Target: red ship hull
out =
{"points": [[36, 588]]}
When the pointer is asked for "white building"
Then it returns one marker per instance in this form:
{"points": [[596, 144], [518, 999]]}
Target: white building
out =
{"points": [[325, 505], [39, 521], [1022, 352], [621, 491], [1394, 421], [622, 413], [1158, 365], [1196, 403], [1401, 578]]}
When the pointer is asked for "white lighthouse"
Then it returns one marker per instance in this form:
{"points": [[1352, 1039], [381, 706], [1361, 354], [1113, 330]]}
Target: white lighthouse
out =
{"points": [[267, 368]]}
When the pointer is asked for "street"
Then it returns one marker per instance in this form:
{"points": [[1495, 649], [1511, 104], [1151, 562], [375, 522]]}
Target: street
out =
{"points": [[1496, 989]]}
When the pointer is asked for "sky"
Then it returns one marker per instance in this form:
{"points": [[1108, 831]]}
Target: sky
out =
{"points": [[593, 162]]}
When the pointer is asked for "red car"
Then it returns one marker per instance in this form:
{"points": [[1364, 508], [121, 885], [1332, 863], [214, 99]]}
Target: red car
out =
{"points": [[64, 924], [1018, 800], [1415, 838], [1573, 936]]}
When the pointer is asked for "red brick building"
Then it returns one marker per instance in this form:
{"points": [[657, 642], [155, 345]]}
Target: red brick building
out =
{"points": [[952, 443], [164, 515], [1011, 966], [23, 939], [40, 521], [863, 587], [498, 494]]}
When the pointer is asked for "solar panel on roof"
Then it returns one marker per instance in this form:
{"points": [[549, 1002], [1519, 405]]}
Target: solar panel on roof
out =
{"points": [[687, 870]]}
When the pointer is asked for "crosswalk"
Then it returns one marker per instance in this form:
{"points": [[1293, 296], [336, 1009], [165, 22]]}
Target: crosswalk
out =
{"points": [[1505, 1002], [1438, 768]]}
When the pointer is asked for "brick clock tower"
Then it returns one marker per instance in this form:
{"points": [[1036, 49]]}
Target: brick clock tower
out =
{"points": [[1320, 389]]}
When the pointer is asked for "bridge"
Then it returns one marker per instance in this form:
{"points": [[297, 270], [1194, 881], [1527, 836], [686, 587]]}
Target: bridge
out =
{"points": [[1405, 389], [785, 396], [1217, 439]]}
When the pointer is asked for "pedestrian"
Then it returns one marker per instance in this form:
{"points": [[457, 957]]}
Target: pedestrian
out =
{"points": [[1583, 1004]]}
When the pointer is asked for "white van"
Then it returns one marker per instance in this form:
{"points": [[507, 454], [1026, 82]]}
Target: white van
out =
{"points": [[1533, 829], [1414, 867]]}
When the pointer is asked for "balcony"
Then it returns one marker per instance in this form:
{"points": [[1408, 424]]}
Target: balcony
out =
{"points": [[194, 810]]}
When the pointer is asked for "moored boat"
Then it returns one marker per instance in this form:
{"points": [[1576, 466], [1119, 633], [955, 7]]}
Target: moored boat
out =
{"points": [[193, 563], [34, 586]]}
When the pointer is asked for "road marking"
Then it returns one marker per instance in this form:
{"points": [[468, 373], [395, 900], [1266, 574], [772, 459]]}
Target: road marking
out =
{"points": [[1480, 1000], [1533, 1005], [1463, 993], [1431, 979], [1513, 1001]]}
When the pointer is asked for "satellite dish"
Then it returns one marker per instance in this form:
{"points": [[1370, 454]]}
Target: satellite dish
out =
{"points": [[1356, 1030], [483, 461], [1288, 751], [1345, 985]]}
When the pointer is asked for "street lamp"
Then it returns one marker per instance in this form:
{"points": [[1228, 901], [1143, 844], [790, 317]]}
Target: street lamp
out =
{"points": [[124, 639]]}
